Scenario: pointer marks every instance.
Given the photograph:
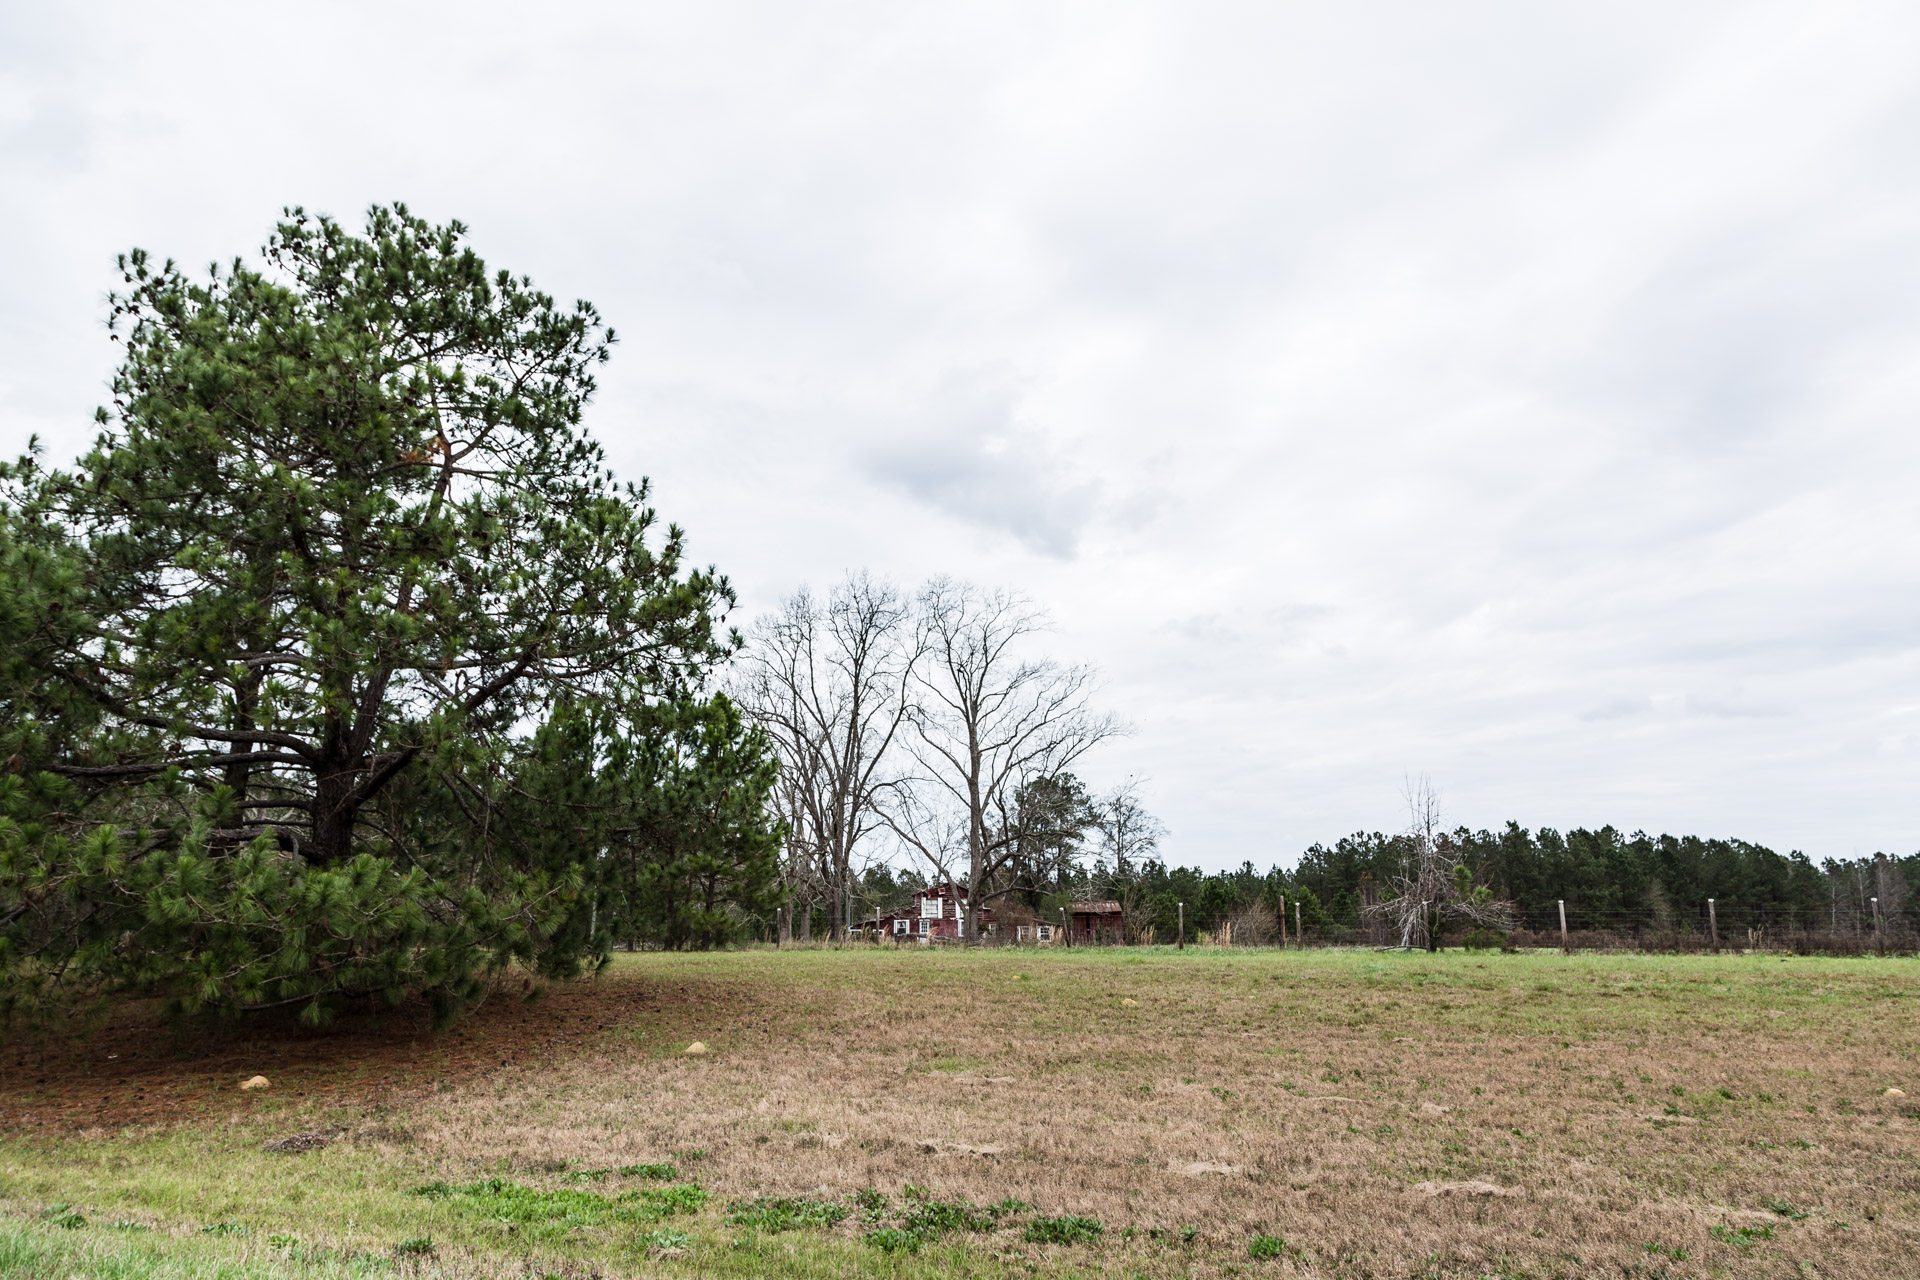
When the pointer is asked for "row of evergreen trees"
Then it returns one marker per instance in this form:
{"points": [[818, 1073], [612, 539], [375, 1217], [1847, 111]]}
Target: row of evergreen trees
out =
{"points": [[1637, 888]]}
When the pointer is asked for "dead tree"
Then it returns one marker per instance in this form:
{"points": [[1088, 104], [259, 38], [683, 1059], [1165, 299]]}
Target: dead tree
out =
{"points": [[1434, 887], [1129, 835], [988, 720], [829, 680]]}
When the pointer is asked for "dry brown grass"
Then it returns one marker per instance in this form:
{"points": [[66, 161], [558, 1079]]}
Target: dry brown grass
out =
{"points": [[1378, 1112], [1387, 1115]]}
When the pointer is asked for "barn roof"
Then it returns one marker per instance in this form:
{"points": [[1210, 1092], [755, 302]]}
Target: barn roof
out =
{"points": [[1096, 908]]}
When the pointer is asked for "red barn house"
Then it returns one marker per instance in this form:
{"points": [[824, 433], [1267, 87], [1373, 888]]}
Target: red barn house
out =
{"points": [[935, 913]]}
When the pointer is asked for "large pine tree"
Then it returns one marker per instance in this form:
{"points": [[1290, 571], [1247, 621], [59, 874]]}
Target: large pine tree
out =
{"points": [[342, 541]]}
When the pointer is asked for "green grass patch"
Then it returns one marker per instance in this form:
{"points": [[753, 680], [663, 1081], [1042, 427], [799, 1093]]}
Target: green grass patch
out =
{"points": [[657, 1172], [499, 1200], [775, 1214], [1261, 1248], [1067, 1229]]}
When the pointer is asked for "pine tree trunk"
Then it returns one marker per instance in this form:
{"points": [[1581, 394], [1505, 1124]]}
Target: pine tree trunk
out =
{"points": [[332, 819]]}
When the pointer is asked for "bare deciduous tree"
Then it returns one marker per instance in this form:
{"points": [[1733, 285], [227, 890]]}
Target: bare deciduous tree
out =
{"points": [[990, 719], [829, 680], [1434, 888], [1129, 835]]}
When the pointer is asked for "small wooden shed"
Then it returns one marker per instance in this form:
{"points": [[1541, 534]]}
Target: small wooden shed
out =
{"points": [[1095, 923]]}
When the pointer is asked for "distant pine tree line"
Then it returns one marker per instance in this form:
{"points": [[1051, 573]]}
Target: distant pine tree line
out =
{"points": [[1631, 889], [1636, 884]]}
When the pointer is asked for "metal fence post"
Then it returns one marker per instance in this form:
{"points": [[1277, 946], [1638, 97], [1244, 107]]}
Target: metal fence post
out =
{"points": [[1565, 946], [1183, 927], [1713, 925]]}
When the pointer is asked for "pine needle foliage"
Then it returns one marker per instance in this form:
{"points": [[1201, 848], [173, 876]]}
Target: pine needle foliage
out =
{"points": [[321, 668]]}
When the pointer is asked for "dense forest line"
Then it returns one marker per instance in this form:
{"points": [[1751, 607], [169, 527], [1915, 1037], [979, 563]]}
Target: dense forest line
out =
{"points": [[1634, 888]]}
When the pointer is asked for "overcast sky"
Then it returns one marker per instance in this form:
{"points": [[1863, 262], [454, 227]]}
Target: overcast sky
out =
{"points": [[1516, 393]]}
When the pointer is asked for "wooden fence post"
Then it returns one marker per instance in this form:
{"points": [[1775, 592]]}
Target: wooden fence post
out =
{"points": [[1713, 925], [1878, 941], [1299, 934], [1283, 921], [1565, 946]]}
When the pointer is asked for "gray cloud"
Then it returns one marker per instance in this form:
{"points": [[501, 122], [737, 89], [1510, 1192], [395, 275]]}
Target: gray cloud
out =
{"points": [[1514, 393], [973, 463]]}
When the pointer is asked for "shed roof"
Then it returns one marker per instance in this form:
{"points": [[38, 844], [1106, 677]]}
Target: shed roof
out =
{"points": [[1096, 908]]}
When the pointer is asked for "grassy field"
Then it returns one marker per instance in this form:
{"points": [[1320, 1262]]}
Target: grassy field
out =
{"points": [[901, 1113]]}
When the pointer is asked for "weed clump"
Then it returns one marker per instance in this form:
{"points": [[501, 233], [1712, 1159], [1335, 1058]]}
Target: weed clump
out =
{"points": [[1741, 1237], [653, 1203], [893, 1240], [656, 1172], [774, 1215], [563, 1210], [932, 1219], [1264, 1247], [1069, 1228], [664, 1238], [923, 1219]]}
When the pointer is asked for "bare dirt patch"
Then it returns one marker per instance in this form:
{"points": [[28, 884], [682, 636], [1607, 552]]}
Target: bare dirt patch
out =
{"points": [[139, 1070]]}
